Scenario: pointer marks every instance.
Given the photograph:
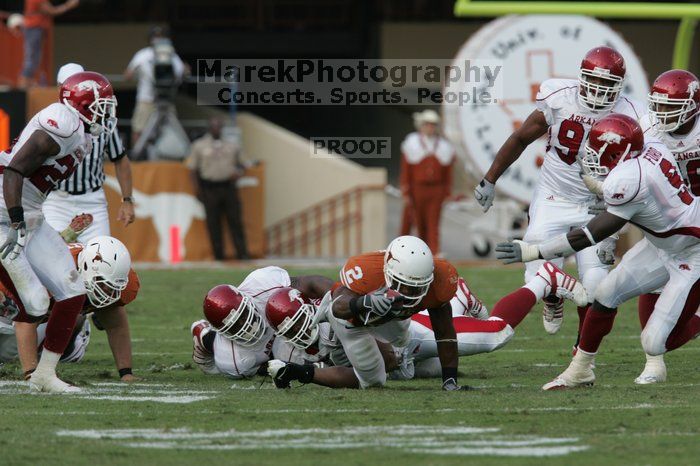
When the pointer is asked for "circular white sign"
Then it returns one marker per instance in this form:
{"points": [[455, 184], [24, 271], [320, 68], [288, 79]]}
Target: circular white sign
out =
{"points": [[533, 48]]}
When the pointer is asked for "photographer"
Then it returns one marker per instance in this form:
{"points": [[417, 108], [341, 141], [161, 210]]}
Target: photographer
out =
{"points": [[146, 68]]}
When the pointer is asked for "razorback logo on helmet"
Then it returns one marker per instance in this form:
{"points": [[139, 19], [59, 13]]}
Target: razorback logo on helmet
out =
{"points": [[693, 86], [610, 137], [88, 85], [52, 122]]}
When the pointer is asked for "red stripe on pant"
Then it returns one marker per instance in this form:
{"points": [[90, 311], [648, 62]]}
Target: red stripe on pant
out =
{"points": [[465, 324], [62, 322]]}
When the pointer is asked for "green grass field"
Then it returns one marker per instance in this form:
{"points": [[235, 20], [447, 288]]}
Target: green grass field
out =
{"points": [[176, 415]]}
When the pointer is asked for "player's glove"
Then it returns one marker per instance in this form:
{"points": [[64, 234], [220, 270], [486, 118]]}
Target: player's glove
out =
{"points": [[16, 239], [484, 194], [597, 208], [606, 250], [379, 305], [517, 251]]}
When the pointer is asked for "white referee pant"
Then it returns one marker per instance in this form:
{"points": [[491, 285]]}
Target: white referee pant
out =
{"points": [[60, 207]]}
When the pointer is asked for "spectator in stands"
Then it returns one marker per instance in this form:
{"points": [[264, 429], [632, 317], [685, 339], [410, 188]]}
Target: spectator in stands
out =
{"points": [[38, 16], [425, 177], [142, 67], [216, 166]]}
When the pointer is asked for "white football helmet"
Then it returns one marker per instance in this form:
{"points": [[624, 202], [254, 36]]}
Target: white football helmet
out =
{"points": [[408, 268], [104, 265]]}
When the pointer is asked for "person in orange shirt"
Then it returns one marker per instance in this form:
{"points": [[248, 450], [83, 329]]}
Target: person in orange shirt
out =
{"points": [[38, 18], [425, 177]]}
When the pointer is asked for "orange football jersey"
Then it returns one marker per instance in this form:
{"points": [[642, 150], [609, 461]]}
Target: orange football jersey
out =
{"points": [[365, 273]]}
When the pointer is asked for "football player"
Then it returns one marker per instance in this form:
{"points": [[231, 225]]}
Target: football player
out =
{"points": [[104, 266], [302, 339], [380, 292], [566, 110], [674, 103], [235, 339], [34, 257], [642, 186]]}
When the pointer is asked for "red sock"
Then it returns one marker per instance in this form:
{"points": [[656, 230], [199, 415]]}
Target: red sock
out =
{"points": [[61, 323], [514, 307], [645, 306], [582, 311], [688, 332], [595, 327]]}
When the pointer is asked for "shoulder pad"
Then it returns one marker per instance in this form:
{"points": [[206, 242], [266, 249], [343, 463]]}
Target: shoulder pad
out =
{"points": [[631, 107], [364, 273], [623, 183], [266, 278], [553, 90], [444, 285], [58, 120]]}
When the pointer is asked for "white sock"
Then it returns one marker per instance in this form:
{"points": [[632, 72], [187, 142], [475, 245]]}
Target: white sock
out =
{"points": [[582, 358], [539, 287], [48, 362], [655, 359]]}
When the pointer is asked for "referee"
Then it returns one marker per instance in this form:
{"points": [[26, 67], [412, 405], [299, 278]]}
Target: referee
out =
{"points": [[82, 192]]}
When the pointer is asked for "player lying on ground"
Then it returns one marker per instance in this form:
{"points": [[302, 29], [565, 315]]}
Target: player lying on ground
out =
{"points": [[243, 340], [674, 102], [642, 186], [35, 260], [565, 111], [302, 339], [380, 292], [104, 265]]}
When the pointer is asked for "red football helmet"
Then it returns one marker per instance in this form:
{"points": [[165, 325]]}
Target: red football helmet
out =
{"points": [[674, 99], [611, 140], [292, 315], [233, 315], [601, 77], [91, 97]]}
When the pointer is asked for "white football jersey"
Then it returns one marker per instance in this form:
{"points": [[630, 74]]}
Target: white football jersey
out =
{"points": [[649, 192], [64, 127], [326, 349], [685, 149], [569, 123], [259, 286]]}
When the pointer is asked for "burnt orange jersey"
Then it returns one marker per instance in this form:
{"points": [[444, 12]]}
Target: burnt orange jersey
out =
{"points": [[128, 294], [365, 273]]}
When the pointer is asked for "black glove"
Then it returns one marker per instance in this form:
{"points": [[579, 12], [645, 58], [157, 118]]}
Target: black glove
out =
{"points": [[376, 306]]}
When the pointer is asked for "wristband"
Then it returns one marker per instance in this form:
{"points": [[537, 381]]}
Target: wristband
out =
{"points": [[16, 214], [449, 373], [125, 371], [128, 199], [558, 246], [589, 235]]}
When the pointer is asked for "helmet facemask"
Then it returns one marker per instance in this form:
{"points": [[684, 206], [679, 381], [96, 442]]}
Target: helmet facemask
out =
{"points": [[669, 120], [299, 329], [599, 89], [244, 325], [413, 290], [102, 292], [591, 160]]}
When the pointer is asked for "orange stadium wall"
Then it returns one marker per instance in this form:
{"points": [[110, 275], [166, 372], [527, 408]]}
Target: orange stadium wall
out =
{"points": [[12, 53], [165, 197]]}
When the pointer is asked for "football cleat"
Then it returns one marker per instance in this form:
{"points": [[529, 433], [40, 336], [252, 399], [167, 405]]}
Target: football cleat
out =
{"points": [[407, 368], [654, 371], [562, 285], [473, 307], [578, 374], [49, 383], [200, 354], [552, 314]]}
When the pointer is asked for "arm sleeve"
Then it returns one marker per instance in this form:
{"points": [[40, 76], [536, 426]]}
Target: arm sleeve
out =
{"points": [[114, 149]]}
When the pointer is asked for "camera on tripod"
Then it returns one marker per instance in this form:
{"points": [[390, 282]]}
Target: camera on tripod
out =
{"points": [[165, 80]]}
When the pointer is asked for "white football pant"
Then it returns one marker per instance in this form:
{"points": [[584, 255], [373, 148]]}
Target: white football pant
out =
{"points": [[60, 208]]}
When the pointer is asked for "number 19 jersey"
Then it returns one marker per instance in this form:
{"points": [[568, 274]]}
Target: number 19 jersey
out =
{"points": [[67, 130], [569, 123]]}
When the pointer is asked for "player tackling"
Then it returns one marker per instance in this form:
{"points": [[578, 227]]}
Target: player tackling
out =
{"points": [[35, 259]]}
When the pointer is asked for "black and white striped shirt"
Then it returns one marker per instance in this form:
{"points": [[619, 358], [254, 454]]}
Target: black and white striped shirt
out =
{"points": [[90, 174]]}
